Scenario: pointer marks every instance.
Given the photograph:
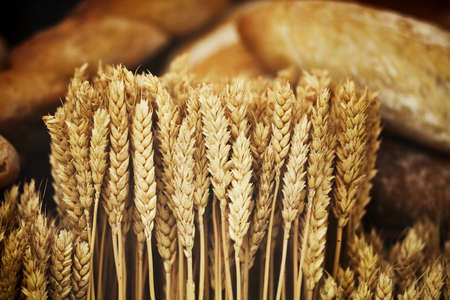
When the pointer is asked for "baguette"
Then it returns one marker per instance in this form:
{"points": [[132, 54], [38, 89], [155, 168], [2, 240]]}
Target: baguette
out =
{"points": [[114, 31], [406, 60]]}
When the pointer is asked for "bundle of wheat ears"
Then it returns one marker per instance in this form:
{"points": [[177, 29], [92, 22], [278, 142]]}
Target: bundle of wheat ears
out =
{"points": [[234, 183]]}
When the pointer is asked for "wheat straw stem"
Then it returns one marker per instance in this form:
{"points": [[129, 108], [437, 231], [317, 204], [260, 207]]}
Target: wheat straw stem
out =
{"points": [[217, 271], [217, 136], [293, 188], [281, 122]]}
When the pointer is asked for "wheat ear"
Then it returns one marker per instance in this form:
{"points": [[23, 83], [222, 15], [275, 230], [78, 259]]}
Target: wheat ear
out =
{"points": [[293, 187], [202, 182], [144, 177], [433, 281], [36, 259], [118, 175], [329, 289], [408, 257], [351, 113], [283, 98], [364, 260], [184, 195], [98, 156], [373, 126], [61, 265], [11, 264], [80, 270], [320, 173], [166, 133], [385, 286], [240, 199], [260, 220], [29, 205], [8, 209], [217, 136], [362, 292], [411, 292]]}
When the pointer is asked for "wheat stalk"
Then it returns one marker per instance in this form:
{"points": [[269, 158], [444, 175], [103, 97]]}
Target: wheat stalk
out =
{"points": [[293, 188], [240, 198], [184, 195], [144, 176], [118, 175], [350, 109], [61, 265], [320, 173], [283, 98], [217, 136], [201, 182]]}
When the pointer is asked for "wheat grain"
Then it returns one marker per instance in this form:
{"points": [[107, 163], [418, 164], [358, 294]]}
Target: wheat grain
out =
{"points": [[61, 265], [433, 281], [80, 270], [11, 263]]}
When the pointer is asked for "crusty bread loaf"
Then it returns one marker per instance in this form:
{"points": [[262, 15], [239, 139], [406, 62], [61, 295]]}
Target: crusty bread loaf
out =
{"points": [[9, 163], [113, 31], [406, 60]]}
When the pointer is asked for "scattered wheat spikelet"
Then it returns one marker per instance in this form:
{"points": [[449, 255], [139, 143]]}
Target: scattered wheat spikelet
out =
{"points": [[29, 205], [80, 270], [430, 235], [11, 264], [61, 265], [433, 281]]}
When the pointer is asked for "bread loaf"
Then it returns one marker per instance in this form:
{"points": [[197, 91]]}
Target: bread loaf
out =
{"points": [[406, 60]]}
